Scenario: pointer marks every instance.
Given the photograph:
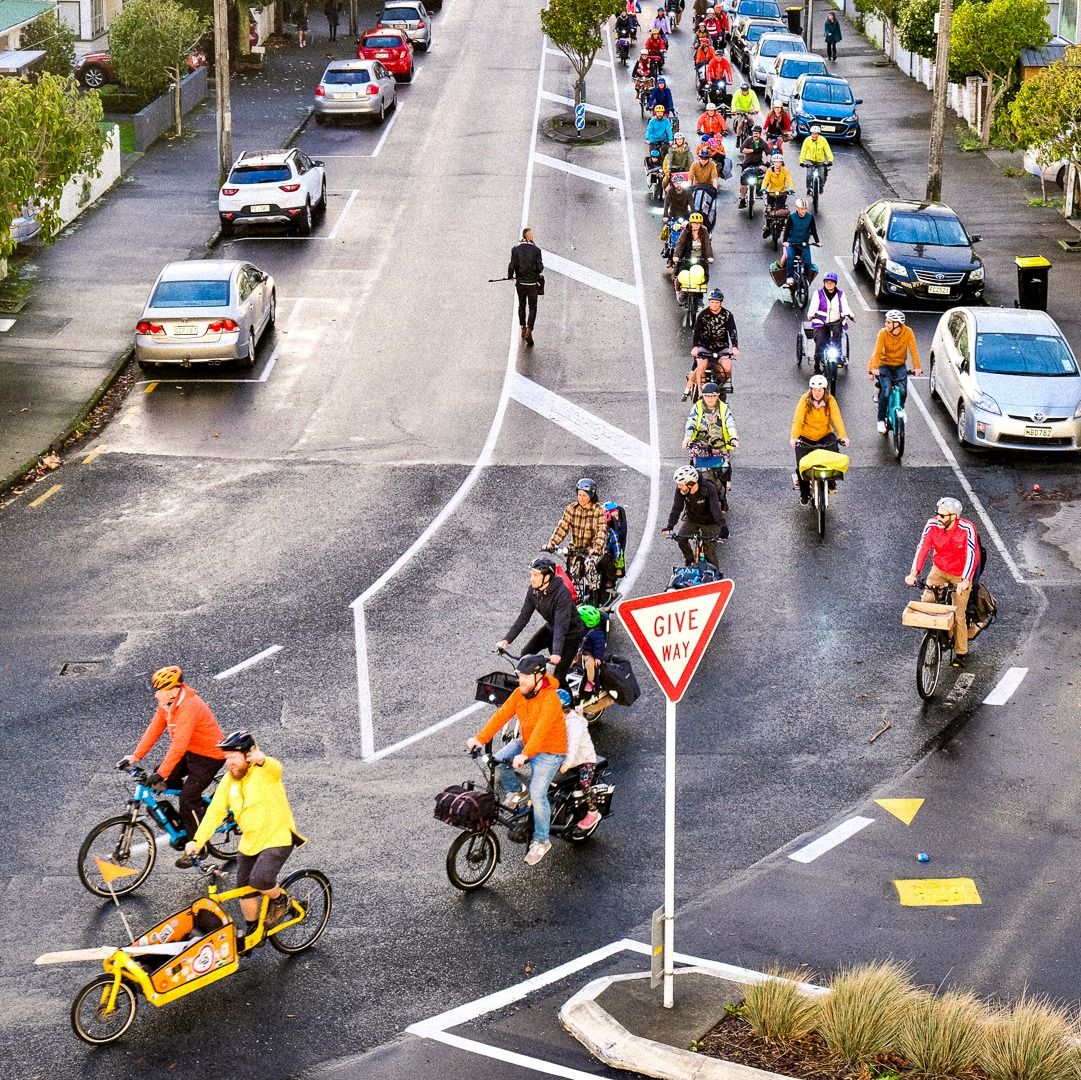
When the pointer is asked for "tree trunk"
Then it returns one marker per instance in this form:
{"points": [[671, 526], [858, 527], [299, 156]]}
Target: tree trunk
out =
{"points": [[178, 114], [993, 98]]}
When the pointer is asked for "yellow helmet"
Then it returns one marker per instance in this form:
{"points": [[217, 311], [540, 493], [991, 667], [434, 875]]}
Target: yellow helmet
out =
{"points": [[696, 218], [659, 110], [166, 678]]}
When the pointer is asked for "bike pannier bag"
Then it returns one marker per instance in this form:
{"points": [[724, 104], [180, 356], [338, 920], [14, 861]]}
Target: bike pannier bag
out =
{"points": [[982, 607], [462, 806], [617, 677], [726, 168]]}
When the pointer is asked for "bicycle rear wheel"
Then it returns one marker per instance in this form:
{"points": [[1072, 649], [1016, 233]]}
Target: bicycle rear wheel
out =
{"points": [[121, 843], [472, 859], [90, 1018], [820, 506], [928, 665], [311, 890], [800, 292], [898, 435]]}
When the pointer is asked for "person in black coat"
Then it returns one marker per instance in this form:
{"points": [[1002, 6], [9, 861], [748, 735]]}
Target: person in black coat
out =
{"points": [[527, 269]]}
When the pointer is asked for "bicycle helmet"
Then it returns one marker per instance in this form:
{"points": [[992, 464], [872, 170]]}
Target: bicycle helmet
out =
{"points": [[710, 388], [949, 505], [893, 315], [711, 107], [801, 204], [533, 664], [757, 129], [819, 382], [686, 474], [661, 80], [239, 740], [831, 276], [658, 110], [703, 151], [815, 129], [716, 294], [166, 678], [775, 158], [611, 505], [696, 218], [543, 565], [590, 615], [565, 699], [744, 86], [587, 483]]}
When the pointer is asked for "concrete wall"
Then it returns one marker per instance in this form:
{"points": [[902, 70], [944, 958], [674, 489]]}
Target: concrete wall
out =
{"points": [[157, 117], [82, 191]]}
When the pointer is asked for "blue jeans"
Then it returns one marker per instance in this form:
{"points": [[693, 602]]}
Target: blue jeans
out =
{"points": [[805, 251], [542, 768], [887, 376]]}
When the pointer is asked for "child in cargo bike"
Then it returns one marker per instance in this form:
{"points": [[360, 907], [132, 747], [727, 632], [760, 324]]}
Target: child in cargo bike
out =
{"points": [[580, 755], [591, 655]]}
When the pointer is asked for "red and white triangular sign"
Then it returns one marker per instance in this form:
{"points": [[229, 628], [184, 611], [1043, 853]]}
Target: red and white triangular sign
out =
{"points": [[672, 629]]}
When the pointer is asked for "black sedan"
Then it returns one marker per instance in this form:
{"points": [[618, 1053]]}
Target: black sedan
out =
{"points": [[916, 250], [746, 31]]}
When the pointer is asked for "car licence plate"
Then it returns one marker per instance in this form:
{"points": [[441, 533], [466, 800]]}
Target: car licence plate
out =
{"points": [[1038, 432], [261, 208], [827, 127], [382, 55], [939, 290], [179, 331], [346, 97]]}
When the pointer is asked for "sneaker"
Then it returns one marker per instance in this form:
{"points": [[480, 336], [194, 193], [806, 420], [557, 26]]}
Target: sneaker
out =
{"points": [[276, 910], [537, 851], [686, 395], [589, 821], [184, 862], [587, 687], [882, 427], [515, 800], [804, 500], [958, 660], [790, 282], [743, 204]]}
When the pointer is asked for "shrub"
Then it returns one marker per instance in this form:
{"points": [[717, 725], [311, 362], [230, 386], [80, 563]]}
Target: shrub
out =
{"points": [[1030, 1042], [778, 1010], [942, 1036], [862, 1018]]}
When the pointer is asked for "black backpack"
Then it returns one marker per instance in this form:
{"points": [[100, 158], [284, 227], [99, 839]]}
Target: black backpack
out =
{"points": [[462, 806]]}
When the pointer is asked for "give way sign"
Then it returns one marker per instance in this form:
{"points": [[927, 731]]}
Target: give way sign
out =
{"points": [[672, 629]]}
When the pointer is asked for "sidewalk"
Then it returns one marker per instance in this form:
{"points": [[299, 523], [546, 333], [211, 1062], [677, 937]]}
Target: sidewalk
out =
{"points": [[74, 333]]}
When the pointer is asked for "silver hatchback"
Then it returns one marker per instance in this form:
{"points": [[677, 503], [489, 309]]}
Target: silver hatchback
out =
{"points": [[1008, 378], [412, 17], [355, 88], [205, 311]]}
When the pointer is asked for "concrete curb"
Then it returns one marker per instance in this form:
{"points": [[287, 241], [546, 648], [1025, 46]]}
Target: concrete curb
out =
{"points": [[611, 1043]]}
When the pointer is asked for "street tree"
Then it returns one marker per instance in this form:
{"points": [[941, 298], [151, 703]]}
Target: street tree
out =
{"points": [[916, 27], [889, 11], [56, 38], [574, 27], [49, 132], [150, 41], [986, 40], [1046, 113]]}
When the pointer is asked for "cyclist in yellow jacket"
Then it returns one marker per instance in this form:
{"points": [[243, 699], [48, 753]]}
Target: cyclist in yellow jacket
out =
{"points": [[816, 155]]}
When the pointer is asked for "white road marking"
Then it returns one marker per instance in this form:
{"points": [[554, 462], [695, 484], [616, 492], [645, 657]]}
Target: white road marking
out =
{"points": [[585, 275], [511, 1057], [250, 662], [852, 281], [561, 100], [386, 132], [585, 425], [395, 747], [836, 836], [579, 170], [1006, 686], [341, 217], [563, 56], [960, 688]]}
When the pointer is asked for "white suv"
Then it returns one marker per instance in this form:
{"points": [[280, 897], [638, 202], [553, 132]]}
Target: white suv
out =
{"points": [[273, 187]]}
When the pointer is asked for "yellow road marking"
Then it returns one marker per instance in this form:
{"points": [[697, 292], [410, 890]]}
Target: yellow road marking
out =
{"points": [[902, 809], [937, 892], [94, 454], [150, 388], [48, 494]]}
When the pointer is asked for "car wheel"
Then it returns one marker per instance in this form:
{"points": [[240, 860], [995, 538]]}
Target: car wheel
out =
{"points": [[858, 137], [93, 76], [932, 377], [247, 361], [272, 316], [320, 119], [226, 228], [962, 424], [304, 222], [148, 365], [409, 74], [879, 287], [857, 261], [321, 205], [382, 111]]}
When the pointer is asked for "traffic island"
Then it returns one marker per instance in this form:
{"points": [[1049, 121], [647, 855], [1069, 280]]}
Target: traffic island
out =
{"points": [[561, 129]]}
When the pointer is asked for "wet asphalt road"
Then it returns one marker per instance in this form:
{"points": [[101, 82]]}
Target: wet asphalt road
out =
{"points": [[227, 517]]}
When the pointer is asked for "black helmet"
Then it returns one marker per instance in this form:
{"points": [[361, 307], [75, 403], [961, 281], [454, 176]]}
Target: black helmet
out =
{"points": [[544, 565], [237, 740], [533, 664], [587, 483]]}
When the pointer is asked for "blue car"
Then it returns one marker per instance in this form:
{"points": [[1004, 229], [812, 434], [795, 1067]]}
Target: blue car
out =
{"points": [[825, 100]]}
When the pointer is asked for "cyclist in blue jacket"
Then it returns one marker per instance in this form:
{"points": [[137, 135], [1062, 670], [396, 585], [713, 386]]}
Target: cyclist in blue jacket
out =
{"points": [[799, 231], [661, 95], [659, 128]]}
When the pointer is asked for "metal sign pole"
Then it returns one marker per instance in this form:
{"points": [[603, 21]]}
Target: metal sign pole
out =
{"points": [[669, 851]]}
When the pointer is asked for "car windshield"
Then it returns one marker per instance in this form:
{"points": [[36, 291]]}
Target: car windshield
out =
{"points": [[339, 78], [1023, 354], [393, 42], [260, 174], [399, 14], [757, 31], [793, 69], [927, 229], [765, 9], [831, 93], [182, 294], [772, 48]]}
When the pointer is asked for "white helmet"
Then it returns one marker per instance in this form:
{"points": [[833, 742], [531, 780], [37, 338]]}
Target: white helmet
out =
{"points": [[894, 315], [819, 382], [949, 505], [801, 204], [686, 474]]}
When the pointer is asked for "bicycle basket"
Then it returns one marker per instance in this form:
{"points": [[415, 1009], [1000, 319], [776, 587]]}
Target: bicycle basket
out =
{"points": [[496, 687], [928, 616], [462, 806]]}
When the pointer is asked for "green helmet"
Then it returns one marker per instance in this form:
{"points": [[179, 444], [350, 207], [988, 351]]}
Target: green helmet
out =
{"points": [[591, 616]]}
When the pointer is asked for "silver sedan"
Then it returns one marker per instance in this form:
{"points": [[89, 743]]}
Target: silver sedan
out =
{"points": [[1008, 378], [205, 311], [355, 88]]}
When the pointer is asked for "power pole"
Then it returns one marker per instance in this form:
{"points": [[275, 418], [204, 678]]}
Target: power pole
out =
{"points": [[353, 18], [938, 107], [221, 86]]}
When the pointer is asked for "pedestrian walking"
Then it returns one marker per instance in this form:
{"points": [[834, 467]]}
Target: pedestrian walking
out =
{"points": [[832, 34], [333, 10], [527, 269], [300, 16]]}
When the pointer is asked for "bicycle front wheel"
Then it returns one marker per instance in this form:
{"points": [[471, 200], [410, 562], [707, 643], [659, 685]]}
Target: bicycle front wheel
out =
{"points": [[801, 290], [820, 506], [471, 859], [225, 843], [121, 843], [311, 890], [814, 193], [928, 665], [898, 436], [91, 1018]]}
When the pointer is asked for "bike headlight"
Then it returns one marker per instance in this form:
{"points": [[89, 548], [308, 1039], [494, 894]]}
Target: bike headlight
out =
{"points": [[896, 269], [832, 352], [976, 275], [987, 404]]}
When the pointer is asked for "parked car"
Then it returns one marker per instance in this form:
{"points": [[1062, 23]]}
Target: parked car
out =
{"points": [[787, 68], [1008, 378], [273, 187], [825, 100], [27, 225], [412, 17], [355, 88], [392, 48], [917, 251], [747, 31], [205, 311], [1054, 172], [766, 49], [759, 9], [95, 69]]}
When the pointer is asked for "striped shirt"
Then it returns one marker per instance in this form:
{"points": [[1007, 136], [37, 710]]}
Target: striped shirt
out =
{"points": [[955, 549]]}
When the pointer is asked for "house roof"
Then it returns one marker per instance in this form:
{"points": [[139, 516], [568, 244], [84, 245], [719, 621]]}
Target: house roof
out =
{"points": [[14, 13], [1050, 54]]}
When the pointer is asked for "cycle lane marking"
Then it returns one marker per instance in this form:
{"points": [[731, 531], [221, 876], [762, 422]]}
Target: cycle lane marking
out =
{"points": [[838, 835], [1006, 687], [580, 170], [586, 275]]}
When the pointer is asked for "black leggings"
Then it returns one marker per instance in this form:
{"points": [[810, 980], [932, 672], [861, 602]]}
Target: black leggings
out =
{"points": [[193, 774], [542, 639], [527, 295]]}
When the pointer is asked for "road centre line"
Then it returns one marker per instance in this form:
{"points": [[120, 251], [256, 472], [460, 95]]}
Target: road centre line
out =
{"points": [[586, 275], [386, 132], [809, 852], [561, 100], [250, 662], [1006, 687], [341, 217], [588, 427], [578, 170]]}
